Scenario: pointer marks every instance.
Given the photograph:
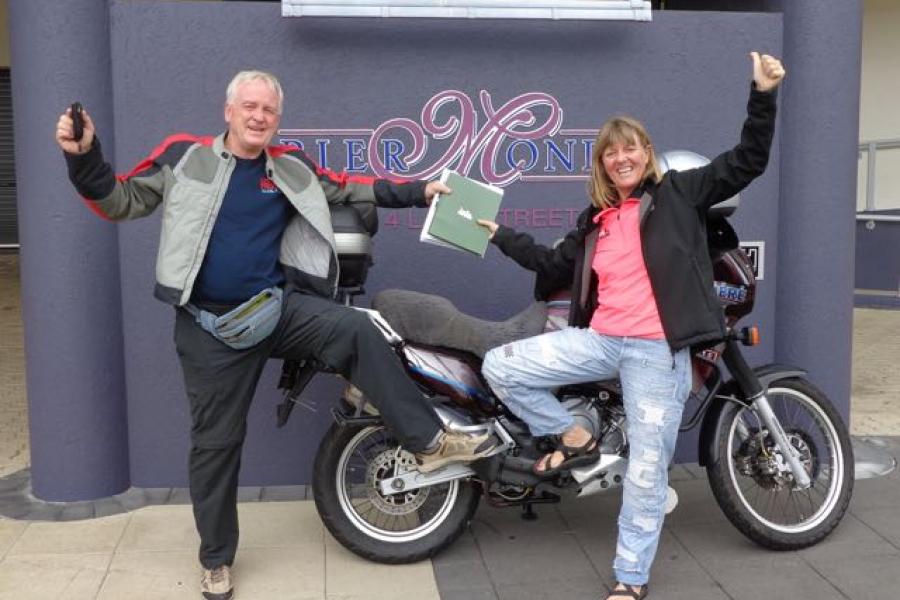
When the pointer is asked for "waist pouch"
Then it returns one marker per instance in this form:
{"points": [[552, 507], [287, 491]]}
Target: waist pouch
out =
{"points": [[246, 325]]}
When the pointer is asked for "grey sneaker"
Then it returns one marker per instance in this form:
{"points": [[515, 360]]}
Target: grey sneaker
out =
{"points": [[455, 447], [216, 583]]}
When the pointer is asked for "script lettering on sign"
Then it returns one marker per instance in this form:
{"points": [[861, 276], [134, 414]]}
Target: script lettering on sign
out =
{"points": [[522, 139]]}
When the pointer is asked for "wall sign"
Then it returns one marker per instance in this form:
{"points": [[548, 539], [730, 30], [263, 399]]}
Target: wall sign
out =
{"points": [[756, 251]]}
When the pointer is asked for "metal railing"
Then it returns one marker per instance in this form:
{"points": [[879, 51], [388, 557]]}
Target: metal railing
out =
{"points": [[871, 149]]}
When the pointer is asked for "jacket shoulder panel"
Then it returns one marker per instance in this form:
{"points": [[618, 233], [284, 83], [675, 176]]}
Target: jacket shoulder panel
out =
{"points": [[327, 175], [168, 153], [293, 166]]}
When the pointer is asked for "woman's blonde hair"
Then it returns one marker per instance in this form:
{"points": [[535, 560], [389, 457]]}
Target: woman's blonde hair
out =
{"points": [[618, 130]]}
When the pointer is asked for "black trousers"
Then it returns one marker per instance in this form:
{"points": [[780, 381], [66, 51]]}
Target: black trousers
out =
{"points": [[221, 381]]}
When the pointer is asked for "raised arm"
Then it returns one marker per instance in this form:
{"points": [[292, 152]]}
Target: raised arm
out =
{"points": [[732, 171], [114, 198]]}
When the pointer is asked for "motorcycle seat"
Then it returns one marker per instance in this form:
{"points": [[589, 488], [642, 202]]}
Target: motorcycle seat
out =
{"points": [[435, 321]]}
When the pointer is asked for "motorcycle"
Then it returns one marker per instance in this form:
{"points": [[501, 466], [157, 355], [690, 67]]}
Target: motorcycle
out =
{"points": [[777, 454]]}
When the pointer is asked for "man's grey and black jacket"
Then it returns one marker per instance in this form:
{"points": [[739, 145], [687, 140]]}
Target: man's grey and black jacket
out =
{"points": [[673, 238], [189, 175]]}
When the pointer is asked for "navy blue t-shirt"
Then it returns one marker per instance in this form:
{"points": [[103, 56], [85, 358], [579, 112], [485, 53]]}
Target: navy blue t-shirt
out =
{"points": [[242, 256]]}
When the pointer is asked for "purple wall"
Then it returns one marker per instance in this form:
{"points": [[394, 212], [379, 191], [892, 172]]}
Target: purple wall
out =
{"points": [[87, 285], [686, 76], [877, 268]]}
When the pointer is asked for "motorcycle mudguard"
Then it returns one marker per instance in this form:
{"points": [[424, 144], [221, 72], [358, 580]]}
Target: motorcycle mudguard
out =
{"points": [[712, 420]]}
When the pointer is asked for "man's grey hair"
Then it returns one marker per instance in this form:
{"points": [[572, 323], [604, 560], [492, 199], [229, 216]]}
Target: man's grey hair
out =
{"points": [[245, 76]]}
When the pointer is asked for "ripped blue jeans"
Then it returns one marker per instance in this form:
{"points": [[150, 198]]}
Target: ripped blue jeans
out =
{"points": [[655, 385]]}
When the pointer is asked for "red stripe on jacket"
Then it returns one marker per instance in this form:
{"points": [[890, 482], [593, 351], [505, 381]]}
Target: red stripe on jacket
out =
{"points": [[148, 162], [339, 179], [159, 150]]}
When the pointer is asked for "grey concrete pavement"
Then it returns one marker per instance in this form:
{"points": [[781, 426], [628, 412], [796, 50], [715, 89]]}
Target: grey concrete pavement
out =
{"points": [[567, 553]]}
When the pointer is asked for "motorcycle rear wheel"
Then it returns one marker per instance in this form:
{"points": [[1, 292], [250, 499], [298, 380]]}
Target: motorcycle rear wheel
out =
{"points": [[397, 528], [765, 507]]}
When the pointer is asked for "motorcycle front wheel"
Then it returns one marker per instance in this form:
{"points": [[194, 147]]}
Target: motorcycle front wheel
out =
{"points": [[752, 483], [395, 528]]}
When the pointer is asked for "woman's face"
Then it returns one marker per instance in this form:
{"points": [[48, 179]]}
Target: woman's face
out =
{"points": [[625, 165]]}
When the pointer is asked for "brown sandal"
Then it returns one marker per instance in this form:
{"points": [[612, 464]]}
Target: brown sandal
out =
{"points": [[628, 591]]}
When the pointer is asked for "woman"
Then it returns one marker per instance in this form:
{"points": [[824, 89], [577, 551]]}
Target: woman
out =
{"points": [[642, 294]]}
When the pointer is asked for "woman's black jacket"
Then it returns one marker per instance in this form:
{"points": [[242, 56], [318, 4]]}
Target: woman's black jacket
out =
{"points": [[673, 238]]}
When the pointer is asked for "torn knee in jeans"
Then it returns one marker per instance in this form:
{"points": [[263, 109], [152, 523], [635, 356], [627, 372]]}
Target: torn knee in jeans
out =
{"points": [[643, 471], [647, 524], [653, 415], [625, 555]]}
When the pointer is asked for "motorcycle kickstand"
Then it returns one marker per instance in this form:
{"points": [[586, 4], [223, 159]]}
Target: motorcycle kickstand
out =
{"points": [[528, 513]]}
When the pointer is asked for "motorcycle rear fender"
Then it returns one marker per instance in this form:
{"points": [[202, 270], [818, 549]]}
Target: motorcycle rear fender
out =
{"points": [[712, 421]]}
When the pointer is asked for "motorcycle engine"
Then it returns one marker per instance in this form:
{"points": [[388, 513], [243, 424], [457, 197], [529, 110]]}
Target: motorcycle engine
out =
{"points": [[605, 423]]}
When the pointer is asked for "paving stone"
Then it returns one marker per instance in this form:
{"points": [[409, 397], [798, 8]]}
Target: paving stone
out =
{"points": [[875, 380], [479, 594], [597, 509], [680, 473], [883, 520], [780, 575], [671, 556], [552, 586], [711, 543], [875, 493], [510, 522], [457, 575], [464, 550], [851, 537], [517, 561], [696, 504], [677, 575], [695, 470], [862, 577]]}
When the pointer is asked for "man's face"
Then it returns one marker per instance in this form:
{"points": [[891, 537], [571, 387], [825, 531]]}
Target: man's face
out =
{"points": [[252, 118]]}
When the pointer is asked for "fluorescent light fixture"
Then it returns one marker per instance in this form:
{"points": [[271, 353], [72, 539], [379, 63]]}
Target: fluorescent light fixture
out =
{"points": [[626, 10]]}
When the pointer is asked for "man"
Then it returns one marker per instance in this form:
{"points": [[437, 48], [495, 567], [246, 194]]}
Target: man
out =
{"points": [[245, 225]]}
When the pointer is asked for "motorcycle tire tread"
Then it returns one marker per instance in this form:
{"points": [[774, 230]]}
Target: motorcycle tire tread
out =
{"points": [[328, 506], [717, 474]]}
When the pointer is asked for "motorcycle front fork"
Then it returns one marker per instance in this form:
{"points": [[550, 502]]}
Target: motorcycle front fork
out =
{"points": [[759, 404]]}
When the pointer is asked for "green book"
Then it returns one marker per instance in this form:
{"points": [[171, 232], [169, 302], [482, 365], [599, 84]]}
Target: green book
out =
{"points": [[452, 219]]}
